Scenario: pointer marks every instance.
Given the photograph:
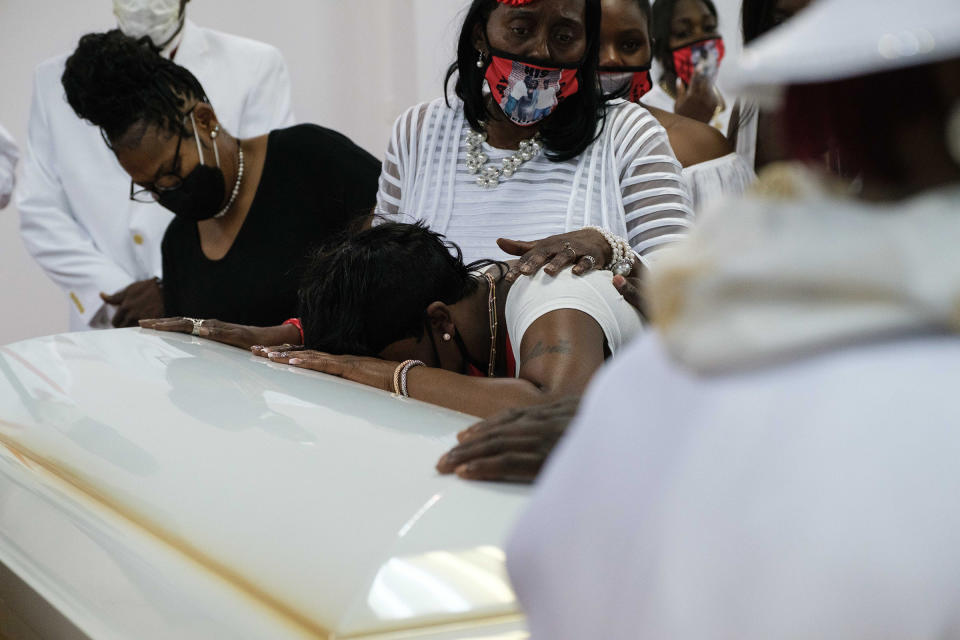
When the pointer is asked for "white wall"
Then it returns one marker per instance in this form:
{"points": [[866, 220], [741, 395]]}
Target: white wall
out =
{"points": [[355, 65]]}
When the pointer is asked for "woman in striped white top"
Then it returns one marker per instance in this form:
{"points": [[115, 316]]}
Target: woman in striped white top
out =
{"points": [[590, 163]]}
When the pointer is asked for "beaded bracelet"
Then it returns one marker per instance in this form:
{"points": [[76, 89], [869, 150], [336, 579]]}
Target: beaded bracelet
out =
{"points": [[400, 376], [622, 251]]}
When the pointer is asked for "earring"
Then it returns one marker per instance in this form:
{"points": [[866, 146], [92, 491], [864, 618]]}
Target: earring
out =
{"points": [[447, 337], [953, 133], [215, 132], [480, 61]]}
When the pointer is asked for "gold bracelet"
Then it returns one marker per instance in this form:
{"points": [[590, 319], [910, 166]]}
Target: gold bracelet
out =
{"points": [[396, 376]]}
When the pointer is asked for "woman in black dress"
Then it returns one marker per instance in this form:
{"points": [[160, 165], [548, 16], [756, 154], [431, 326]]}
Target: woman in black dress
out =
{"points": [[247, 211]]}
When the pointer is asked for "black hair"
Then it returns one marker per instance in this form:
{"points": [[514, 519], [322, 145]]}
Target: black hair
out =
{"points": [[660, 27], [573, 126], [115, 82], [364, 291], [756, 18]]}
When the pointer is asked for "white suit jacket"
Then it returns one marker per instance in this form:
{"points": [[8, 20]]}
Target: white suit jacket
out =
{"points": [[8, 165], [811, 498], [76, 218]]}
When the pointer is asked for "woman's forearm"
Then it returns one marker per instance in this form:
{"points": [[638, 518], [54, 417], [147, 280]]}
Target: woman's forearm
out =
{"points": [[477, 396], [480, 397]]}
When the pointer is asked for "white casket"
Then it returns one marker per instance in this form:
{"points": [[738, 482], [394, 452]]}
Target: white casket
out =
{"points": [[160, 486]]}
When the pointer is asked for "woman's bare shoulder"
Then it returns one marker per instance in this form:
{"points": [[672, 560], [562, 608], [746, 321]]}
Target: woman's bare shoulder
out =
{"points": [[693, 141]]}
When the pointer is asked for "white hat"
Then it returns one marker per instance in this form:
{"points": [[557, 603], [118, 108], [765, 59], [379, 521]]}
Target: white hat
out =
{"points": [[837, 39]]}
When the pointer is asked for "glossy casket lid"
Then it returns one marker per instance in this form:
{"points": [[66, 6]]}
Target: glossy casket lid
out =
{"points": [[314, 496]]}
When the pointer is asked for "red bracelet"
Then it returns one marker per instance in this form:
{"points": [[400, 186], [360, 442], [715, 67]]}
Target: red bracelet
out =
{"points": [[299, 325]]}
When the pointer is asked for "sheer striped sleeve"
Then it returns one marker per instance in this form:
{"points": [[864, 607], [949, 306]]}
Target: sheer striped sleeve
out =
{"points": [[656, 201], [398, 163]]}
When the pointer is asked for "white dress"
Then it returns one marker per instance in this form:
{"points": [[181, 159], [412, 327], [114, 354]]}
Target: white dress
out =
{"points": [[793, 471], [709, 182], [8, 166], [76, 216], [628, 181]]}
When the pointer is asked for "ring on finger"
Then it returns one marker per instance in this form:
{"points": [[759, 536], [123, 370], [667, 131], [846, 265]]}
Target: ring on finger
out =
{"points": [[196, 325], [568, 247], [591, 260]]}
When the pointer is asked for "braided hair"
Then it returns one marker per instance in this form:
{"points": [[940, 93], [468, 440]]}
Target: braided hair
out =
{"points": [[115, 82]]}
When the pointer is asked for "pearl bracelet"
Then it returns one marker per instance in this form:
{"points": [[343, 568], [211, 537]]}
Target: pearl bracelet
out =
{"points": [[400, 376], [621, 262]]}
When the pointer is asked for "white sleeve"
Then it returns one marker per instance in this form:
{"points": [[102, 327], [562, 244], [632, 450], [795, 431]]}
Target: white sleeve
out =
{"points": [[49, 230], [594, 294], [399, 159], [656, 202], [729, 175], [269, 105], [8, 166]]}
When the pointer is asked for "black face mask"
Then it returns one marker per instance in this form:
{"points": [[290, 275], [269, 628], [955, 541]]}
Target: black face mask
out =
{"points": [[199, 197], [201, 194]]}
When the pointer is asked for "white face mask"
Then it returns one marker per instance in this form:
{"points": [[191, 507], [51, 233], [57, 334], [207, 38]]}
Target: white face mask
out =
{"points": [[158, 19]]}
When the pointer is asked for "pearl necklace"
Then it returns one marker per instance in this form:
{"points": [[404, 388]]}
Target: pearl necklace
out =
{"points": [[489, 177], [236, 185]]}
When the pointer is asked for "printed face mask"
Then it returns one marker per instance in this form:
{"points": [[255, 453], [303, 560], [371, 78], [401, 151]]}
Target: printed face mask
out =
{"points": [[202, 192], [702, 57], [631, 83], [158, 19], [527, 90]]}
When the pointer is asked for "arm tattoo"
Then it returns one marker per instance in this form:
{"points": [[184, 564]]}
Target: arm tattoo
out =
{"points": [[541, 349]]}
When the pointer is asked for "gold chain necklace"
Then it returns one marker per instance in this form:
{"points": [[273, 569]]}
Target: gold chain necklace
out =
{"points": [[492, 312]]}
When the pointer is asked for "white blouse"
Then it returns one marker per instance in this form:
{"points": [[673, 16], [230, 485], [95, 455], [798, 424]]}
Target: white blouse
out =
{"points": [[627, 181], [743, 131], [593, 293]]}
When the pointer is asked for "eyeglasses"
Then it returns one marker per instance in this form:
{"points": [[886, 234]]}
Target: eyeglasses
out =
{"points": [[167, 182]]}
